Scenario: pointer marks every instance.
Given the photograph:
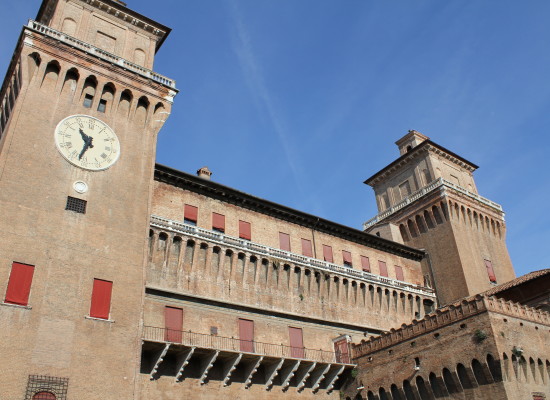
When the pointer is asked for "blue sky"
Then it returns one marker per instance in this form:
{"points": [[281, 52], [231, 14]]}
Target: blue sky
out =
{"points": [[298, 101]]}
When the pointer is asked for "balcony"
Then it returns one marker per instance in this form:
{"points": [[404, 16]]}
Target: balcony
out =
{"points": [[186, 354], [438, 183], [297, 259], [104, 55]]}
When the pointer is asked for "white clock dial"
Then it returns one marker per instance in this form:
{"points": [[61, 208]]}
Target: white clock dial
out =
{"points": [[87, 142]]}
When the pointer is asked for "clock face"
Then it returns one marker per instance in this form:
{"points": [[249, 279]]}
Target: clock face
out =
{"points": [[87, 142]]}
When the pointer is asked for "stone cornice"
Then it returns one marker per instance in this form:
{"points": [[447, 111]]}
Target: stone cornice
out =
{"points": [[421, 149], [241, 199]]}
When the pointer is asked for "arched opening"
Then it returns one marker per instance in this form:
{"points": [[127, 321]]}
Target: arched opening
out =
{"points": [[106, 97], [395, 393], [494, 368], [436, 387], [422, 389], [382, 394], [33, 63], [124, 102], [420, 224], [50, 75], [70, 82], [428, 219], [68, 26], [139, 57], [407, 388], [541, 371], [523, 369], [403, 232], [452, 387], [88, 91], [412, 228], [533, 369], [370, 395], [478, 372], [141, 110]]}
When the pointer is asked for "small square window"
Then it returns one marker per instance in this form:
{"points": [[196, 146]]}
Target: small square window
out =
{"points": [[102, 106], [76, 205], [88, 101]]}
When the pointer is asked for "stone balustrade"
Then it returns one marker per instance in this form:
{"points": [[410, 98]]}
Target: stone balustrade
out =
{"points": [[102, 54], [297, 259], [436, 184]]}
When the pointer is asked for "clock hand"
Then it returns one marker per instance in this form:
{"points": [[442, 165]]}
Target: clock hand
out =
{"points": [[87, 144]]}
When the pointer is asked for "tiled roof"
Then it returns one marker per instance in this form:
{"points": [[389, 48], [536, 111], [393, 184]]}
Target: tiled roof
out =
{"points": [[516, 282]]}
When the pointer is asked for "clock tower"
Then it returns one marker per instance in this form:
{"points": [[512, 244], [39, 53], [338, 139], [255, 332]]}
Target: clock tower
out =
{"points": [[80, 112]]}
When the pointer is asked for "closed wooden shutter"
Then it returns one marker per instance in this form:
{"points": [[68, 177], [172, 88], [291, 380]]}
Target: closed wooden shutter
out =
{"points": [[284, 241], [19, 285], [173, 322], [327, 253], [190, 213], [306, 248], [346, 256], [296, 342], [365, 263], [101, 299], [218, 222], [490, 271], [399, 273], [246, 335], [245, 231], [383, 269]]}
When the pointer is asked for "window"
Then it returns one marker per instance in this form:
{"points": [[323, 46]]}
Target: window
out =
{"points": [[346, 256], [88, 98], [399, 273], [296, 342], [246, 335], [327, 253], [101, 299], [190, 214], [383, 269], [173, 322], [19, 284], [76, 205], [102, 105], [44, 396], [405, 189], [245, 230], [284, 241], [306, 248], [490, 271], [365, 263], [218, 222], [341, 350]]}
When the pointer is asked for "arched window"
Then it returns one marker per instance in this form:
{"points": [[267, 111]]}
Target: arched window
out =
{"points": [[403, 232], [44, 396], [412, 228], [428, 219], [88, 91], [106, 97], [71, 79], [478, 372], [494, 368], [420, 224]]}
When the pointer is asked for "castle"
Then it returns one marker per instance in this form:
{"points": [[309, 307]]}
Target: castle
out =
{"points": [[124, 279]]}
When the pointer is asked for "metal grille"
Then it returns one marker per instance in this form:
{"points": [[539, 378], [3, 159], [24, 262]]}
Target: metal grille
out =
{"points": [[76, 205], [41, 387]]}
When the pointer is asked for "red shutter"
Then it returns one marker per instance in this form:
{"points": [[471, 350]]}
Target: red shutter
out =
{"points": [[306, 248], [19, 285], [399, 273], [173, 322], [490, 271], [284, 241], [383, 268], [191, 213], [246, 335], [244, 230], [101, 299], [365, 264], [341, 348], [218, 222], [296, 342], [327, 253], [346, 255]]}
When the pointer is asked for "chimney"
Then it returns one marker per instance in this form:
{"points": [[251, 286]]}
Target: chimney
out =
{"points": [[204, 173]]}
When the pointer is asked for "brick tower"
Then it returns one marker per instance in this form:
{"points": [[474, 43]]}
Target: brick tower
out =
{"points": [[80, 111], [428, 199]]}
